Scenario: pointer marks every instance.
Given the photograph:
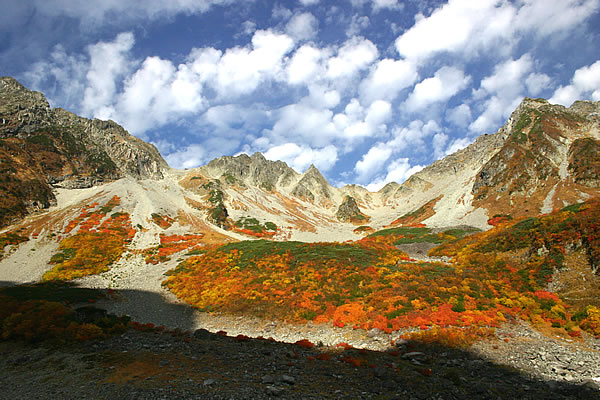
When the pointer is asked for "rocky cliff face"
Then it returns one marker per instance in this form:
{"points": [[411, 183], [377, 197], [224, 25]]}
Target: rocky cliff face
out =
{"points": [[253, 170], [313, 186], [42, 147], [550, 159], [348, 211]]}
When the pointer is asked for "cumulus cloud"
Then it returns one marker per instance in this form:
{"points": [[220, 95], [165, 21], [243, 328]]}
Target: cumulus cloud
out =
{"points": [[241, 69], [536, 83], [439, 142], [109, 61], [313, 125], [64, 73], [356, 54], [302, 26], [371, 163], [501, 92], [387, 78], [565, 15], [358, 122], [188, 157], [460, 115], [300, 157], [357, 24], [116, 11], [309, 2], [458, 26], [446, 82], [413, 135], [467, 27], [584, 85], [386, 4], [398, 171], [458, 144], [305, 64]]}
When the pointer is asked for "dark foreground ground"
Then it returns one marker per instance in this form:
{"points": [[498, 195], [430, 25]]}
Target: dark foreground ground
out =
{"points": [[149, 365]]}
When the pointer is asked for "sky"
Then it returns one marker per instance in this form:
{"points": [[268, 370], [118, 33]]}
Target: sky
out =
{"points": [[369, 91]]}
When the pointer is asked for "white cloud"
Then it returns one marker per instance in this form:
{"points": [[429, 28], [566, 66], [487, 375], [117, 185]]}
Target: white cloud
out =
{"points": [[584, 85], [109, 61], [300, 157], [248, 27], [280, 12], [386, 4], [305, 64], [356, 54], [460, 115], [387, 78], [156, 94], [298, 121], [413, 135], [302, 26], [536, 83], [446, 82], [439, 142], [322, 97], [504, 90], [442, 148], [508, 76], [545, 18], [62, 72], [309, 2], [241, 69], [468, 27], [188, 157], [398, 170], [357, 24], [458, 144], [372, 162], [458, 26], [358, 122], [116, 11]]}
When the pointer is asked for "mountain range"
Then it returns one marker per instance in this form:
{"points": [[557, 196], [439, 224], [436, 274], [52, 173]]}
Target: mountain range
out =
{"points": [[544, 157], [498, 235]]}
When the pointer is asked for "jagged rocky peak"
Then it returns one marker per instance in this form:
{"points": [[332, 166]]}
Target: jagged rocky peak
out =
{"points": [[25, 113], [253, 170], [348, 211], [44, 147], [21, 110], [313, 186], [587, 109], [549, 158]]}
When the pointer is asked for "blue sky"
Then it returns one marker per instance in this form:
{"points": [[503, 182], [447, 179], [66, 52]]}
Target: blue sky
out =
{"points": [[370, 91]]}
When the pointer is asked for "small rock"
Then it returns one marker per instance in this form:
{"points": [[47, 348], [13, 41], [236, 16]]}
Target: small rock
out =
{"points": [[274, 390], [413, 354], [268, 379], [290, 380], [208, 382], [373, 332], [591, 383]]}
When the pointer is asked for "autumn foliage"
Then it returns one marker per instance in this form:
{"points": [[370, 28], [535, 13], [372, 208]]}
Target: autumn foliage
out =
{"points": [[163, 221], [371, 284], [171, 244], [10, 239], [99, 240]]}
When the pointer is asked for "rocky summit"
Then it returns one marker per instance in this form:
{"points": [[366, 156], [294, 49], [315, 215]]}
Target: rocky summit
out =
{"points": [[477, 277], [43, 148]]}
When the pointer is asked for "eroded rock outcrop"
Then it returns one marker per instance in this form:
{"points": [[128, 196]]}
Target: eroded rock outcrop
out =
{"points": [[41, 147]]}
